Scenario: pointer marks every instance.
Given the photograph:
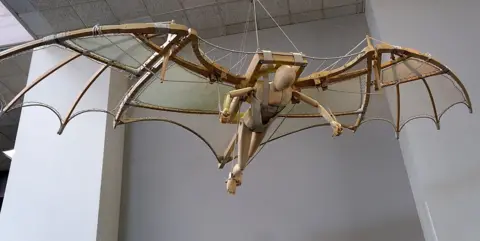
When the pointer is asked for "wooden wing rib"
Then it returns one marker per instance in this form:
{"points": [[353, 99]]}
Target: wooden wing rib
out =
{"points": [[416, 86]]}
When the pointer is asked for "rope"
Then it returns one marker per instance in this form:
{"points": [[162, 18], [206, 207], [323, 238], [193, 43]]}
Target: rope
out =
{"points": [[281, 29], [96, 30], [346, 55], [226, 49], [256, 24], [271, 135]]}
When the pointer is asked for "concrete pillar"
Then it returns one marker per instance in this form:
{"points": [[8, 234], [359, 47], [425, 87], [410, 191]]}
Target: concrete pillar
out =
{"points": [[65, 187], [443, 165]]}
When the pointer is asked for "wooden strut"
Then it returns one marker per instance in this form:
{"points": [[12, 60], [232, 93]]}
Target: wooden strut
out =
{"points": [[179, 43], [432, 101], [39, 79], [80, 95], [377, 60], [397, 86], [366, 95]]}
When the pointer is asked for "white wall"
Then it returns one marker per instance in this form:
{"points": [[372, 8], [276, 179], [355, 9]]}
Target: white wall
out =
{"points": [[56, 186], [307, 186], [443, 165]]}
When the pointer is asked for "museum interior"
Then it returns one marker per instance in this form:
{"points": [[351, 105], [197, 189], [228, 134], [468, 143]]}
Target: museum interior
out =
{"points": [[319, 120]]}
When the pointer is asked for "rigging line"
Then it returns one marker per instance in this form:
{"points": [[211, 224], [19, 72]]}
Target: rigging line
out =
{"points": [[281, 29], [256, 24], [354, 92], [223, 48], [381, 41], [323, 62], [244, 38], [256, 52], [216, 60], [271, 135], [332, 58], [336, 62], [239, 62], [148, 69], [143, 64]]}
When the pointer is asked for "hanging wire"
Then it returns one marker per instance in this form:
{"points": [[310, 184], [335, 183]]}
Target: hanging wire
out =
{"points": [[256, 24], [271, 135], [281, 29]]}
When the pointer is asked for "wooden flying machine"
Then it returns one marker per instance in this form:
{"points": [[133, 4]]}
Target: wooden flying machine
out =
{"points": [[281, 98]]}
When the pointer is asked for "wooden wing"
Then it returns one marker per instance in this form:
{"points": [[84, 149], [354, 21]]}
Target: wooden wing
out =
{"points": [[163, 73], [397, 86]]}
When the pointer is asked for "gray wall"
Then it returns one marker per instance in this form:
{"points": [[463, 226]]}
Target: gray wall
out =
{"points": [[304, 187], [443, 165]]}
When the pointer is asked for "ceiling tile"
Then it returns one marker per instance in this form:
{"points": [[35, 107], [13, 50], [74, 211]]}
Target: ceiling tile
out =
{"points": [[48, 4], [20, 6], [298, 6], [211, 32], [236, 12], [156, 7], [146, 19], [62, 19], [14, 83], [307, 16], [179, 18], [204, 17], [130, 9], [75, 2], [337, 3], [274, 7], [23, 61], [36, 23], [340, 11], [239, 28], [9, 68], [269, 23], [196, 3], [93, 13]]}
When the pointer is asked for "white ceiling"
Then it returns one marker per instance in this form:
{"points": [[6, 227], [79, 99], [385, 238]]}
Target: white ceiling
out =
{"points": [[212, 18], [9, 24]]}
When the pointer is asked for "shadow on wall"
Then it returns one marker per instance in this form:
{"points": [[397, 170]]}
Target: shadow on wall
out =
{"points": [[3, 183], [376, 231]]}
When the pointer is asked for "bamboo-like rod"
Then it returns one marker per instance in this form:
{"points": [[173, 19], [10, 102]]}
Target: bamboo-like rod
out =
{"points": [[39, 79], [366, 97], [398, 107], [166, 58], [432, 100], [82, 93]]}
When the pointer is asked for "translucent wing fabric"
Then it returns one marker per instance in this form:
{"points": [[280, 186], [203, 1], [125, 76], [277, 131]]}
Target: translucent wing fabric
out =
{"points": [[417, 86]]}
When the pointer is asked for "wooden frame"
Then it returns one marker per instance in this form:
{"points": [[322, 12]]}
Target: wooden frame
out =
{"points": [[262, 63]]}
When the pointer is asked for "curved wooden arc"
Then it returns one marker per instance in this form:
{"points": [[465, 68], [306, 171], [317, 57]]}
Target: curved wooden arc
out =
{"points": [[80, 95], [135, 120]]}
